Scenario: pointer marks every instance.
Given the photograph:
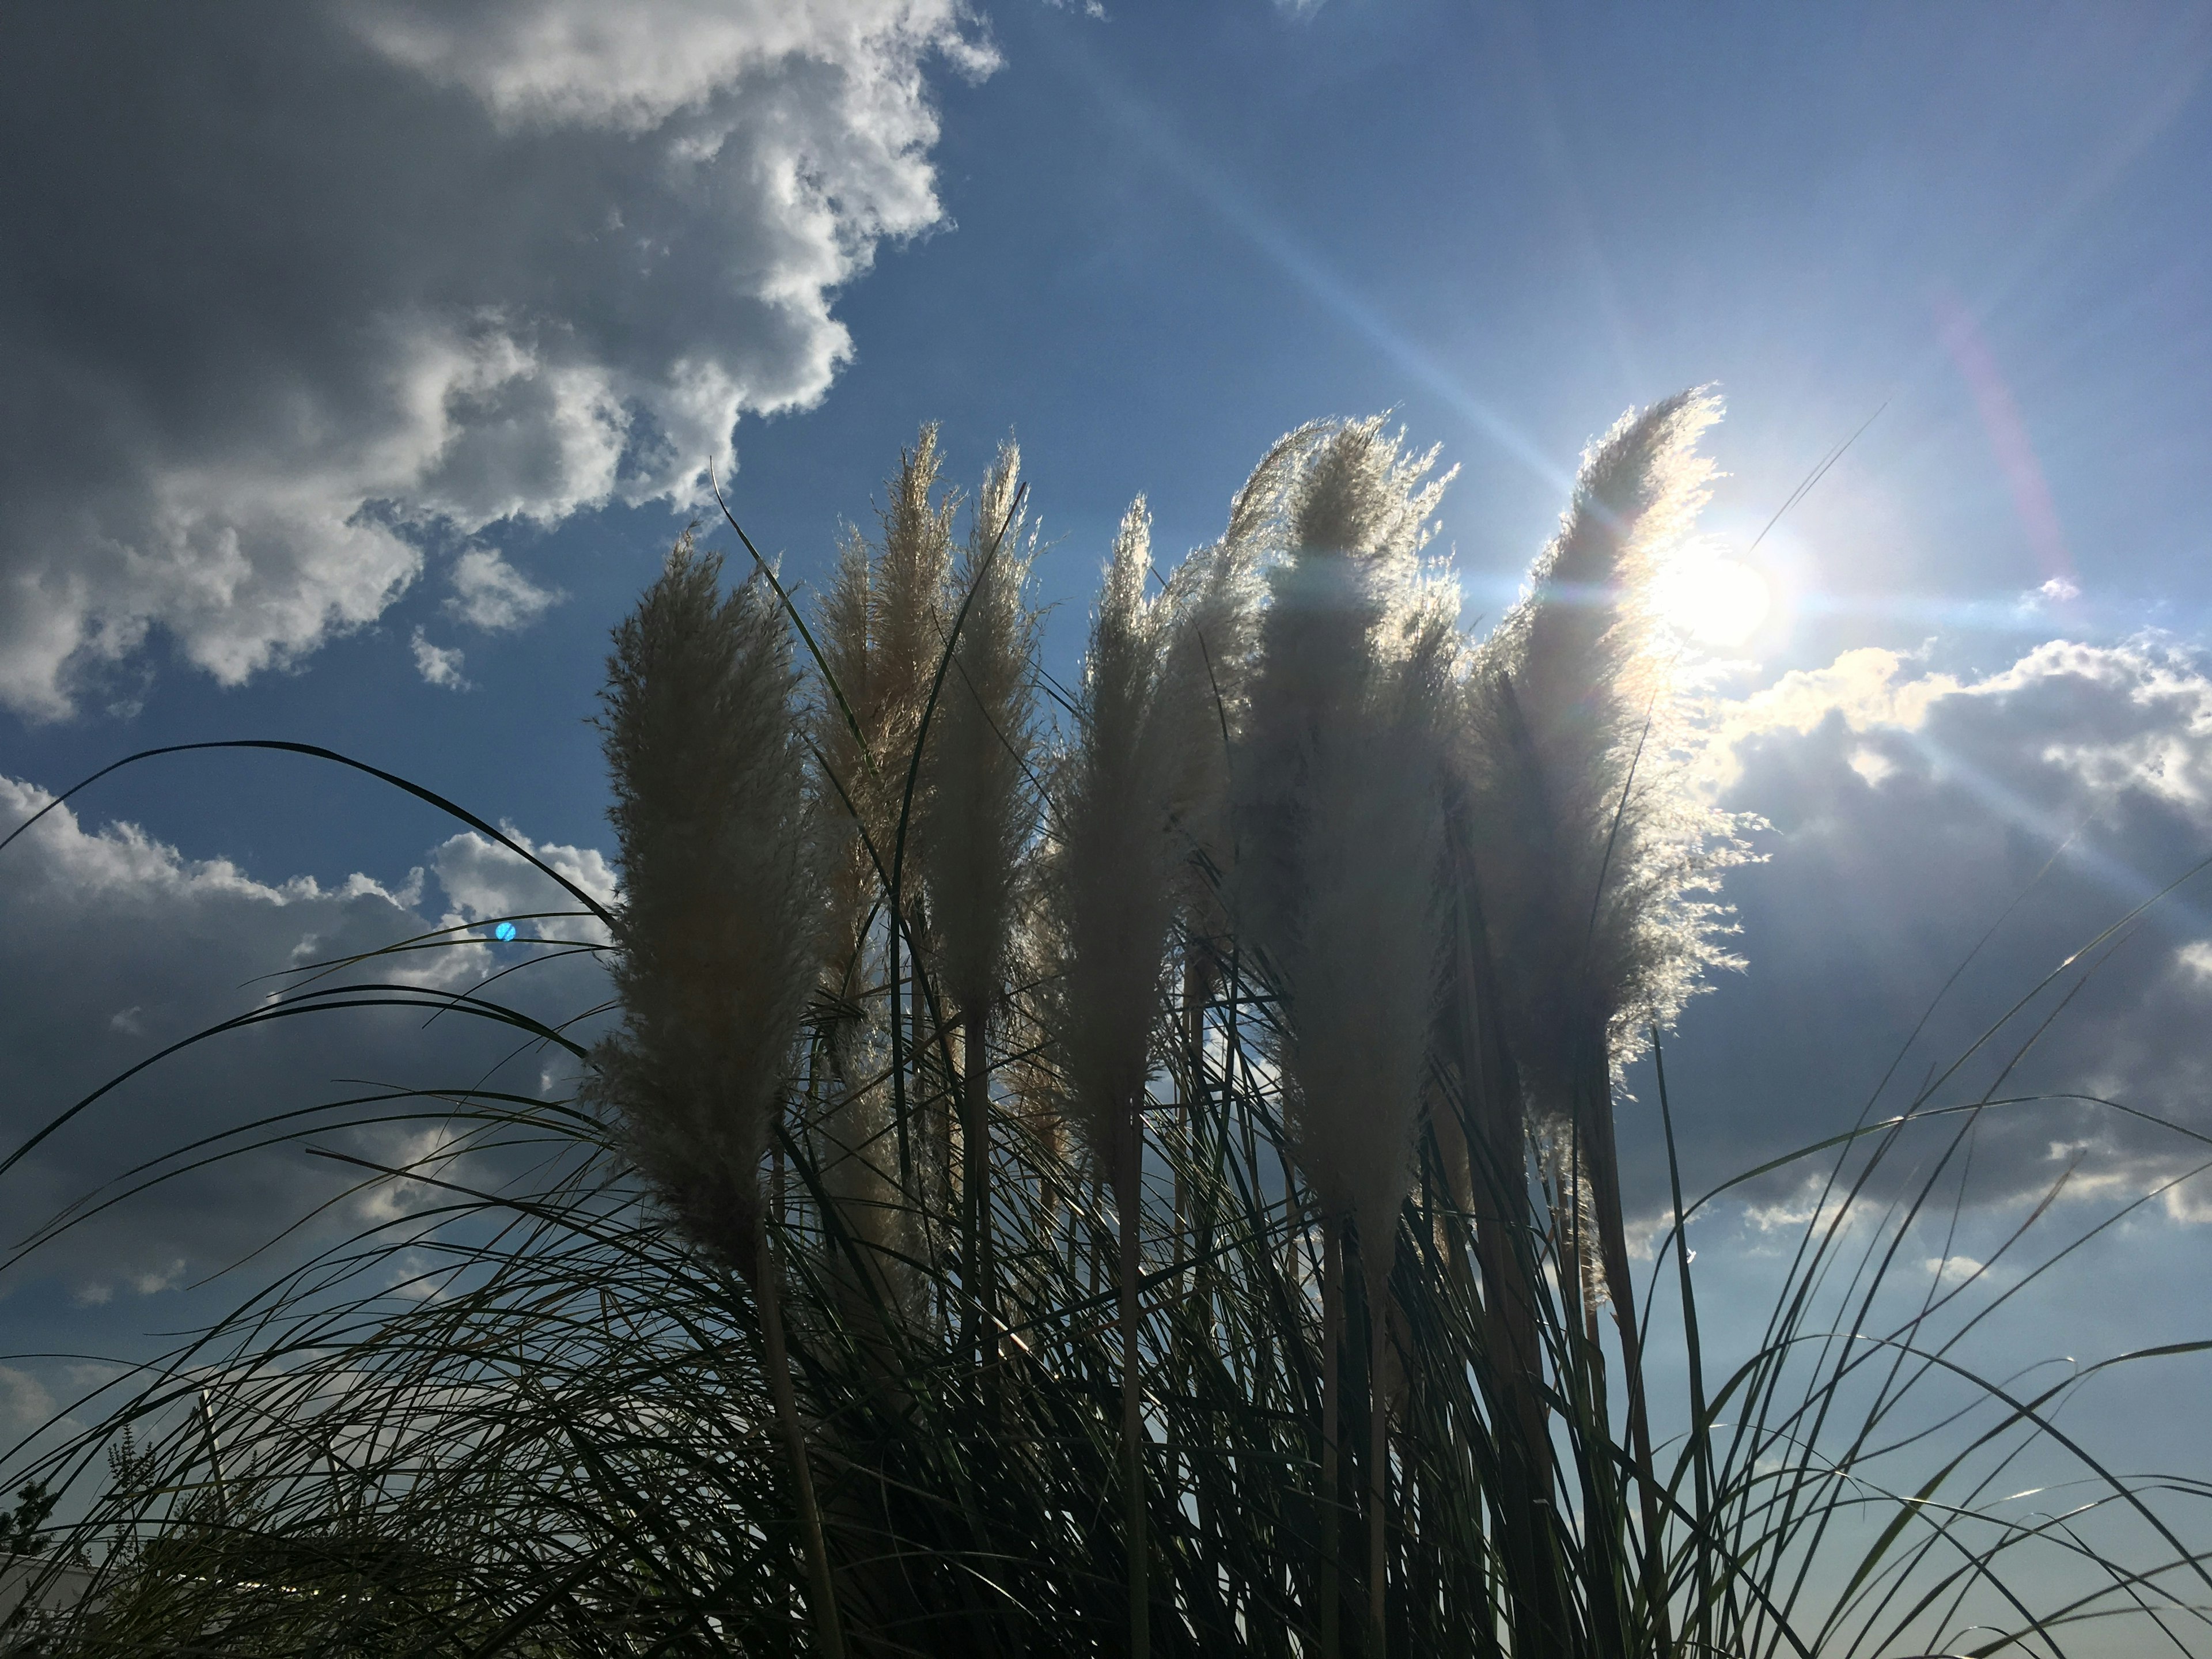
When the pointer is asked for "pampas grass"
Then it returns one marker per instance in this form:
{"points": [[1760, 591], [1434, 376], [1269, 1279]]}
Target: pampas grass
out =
{"points": [[1114, 905], [713, 937], [975, 826], [1339, 838], [736, 1356], [1592, 850]]}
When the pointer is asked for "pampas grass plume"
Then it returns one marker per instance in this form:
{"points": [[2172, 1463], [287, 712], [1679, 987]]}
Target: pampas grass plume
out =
{"points": [[1209, 632], [982, 811], [1339, 817], [1592, 847], [1115, 895], [1340, 826], [715, 936]]}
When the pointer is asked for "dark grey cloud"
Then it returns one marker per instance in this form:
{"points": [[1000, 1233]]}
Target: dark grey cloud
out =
{"points": [[114, 945], [1915, 818], [284, 284]]}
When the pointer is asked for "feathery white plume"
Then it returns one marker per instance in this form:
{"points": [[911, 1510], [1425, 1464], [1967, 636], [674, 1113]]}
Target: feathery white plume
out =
{"points": [[847, 724], [715, 933], [1339, 819], [880, 630], [1208, 630], [909, 601], [1114, 895], [1591, 850], [982, 810]]}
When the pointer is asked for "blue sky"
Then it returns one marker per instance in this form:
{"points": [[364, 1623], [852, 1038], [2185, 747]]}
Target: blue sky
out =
{"points": [[359, 339]]}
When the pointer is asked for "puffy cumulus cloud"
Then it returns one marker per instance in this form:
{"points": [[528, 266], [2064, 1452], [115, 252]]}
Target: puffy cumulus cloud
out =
{"points": [[486, 882], [1862, 689], [2003, 830], [284, 285], [561, 63], [115, 945]]}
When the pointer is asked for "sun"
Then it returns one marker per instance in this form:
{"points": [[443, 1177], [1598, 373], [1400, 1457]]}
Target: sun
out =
{"points": [[1715, 601]]}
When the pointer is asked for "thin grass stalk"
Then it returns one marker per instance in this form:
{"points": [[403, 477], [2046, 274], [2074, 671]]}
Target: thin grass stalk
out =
{"points": [[1128, 1207], [980, 1308], [1700, 1432], [1329, 1500], [1498, 1191], [1601, 1155], [1181, 1125], [822, 1600], [1579, 1366], [1378, 1472]]}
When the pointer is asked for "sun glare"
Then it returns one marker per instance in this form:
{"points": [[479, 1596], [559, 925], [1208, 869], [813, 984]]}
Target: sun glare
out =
{"points": [[1715, 601]]}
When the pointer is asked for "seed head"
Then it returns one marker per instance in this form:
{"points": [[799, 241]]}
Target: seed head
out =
{"points": [[1340, 818], [715, 936]]}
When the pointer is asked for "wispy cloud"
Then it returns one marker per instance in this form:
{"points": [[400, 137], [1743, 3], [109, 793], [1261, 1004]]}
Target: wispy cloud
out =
{"points": [[441, 665], [490, 593]]}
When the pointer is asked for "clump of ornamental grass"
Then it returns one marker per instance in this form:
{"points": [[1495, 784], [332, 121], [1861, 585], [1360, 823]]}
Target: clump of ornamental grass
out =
{"points": [[1113, 897], [1588, 850], [1339, 835], [1330, 930]]}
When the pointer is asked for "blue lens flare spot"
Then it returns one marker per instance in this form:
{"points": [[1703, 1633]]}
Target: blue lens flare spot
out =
{"points": [[504, 931]]}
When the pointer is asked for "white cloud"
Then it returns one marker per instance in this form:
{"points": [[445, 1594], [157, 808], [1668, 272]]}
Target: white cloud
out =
{"points": [[2189, 1200], [1865, 689], [1872, 765], [438, 665], [1948, 1272], [485, 881], [429, 1153], [452, 267], [25, 1405], [631, 67], [490, 593]]}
